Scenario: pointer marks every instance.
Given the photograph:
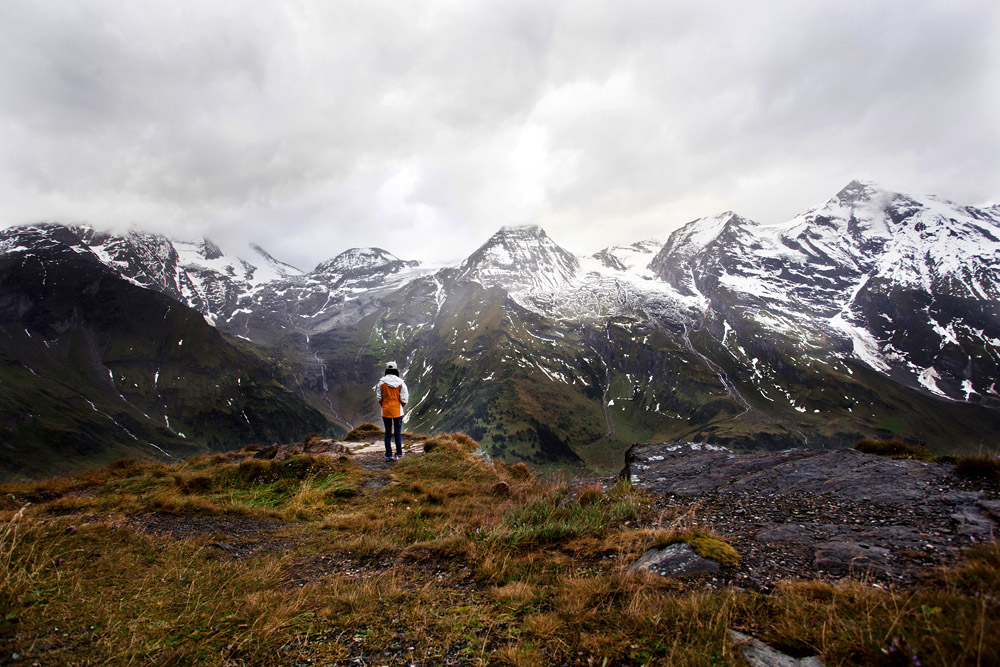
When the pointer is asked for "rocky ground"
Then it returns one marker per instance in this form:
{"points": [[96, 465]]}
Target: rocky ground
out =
{"points": [[802, 514]]}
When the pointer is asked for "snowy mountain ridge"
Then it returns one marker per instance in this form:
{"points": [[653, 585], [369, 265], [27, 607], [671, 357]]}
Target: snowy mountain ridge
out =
{"points": [[722, 320]]}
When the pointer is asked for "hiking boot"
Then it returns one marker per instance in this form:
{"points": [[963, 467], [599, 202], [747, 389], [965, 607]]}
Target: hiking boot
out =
{"points": [[399, 455], [389, 458]]}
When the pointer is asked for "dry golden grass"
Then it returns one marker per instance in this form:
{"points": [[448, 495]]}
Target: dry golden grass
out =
{"points": [[519, 656], [981, 466], [894, 449], [516, 595], [364, 432], [590, 494], [435, 562]]}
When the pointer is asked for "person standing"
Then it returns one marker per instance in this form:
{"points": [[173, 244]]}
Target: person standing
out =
{"points": [[392, 395]]}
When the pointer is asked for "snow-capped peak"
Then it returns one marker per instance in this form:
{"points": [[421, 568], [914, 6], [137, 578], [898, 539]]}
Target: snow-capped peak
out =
{"points": [[518, 257], [279, 268], [857, 190], [359, 260], [694, 237]]}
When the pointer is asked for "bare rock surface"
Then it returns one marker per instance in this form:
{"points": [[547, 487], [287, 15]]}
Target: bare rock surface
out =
{"points": [[819, 514], [675, 560], [759, 654]]}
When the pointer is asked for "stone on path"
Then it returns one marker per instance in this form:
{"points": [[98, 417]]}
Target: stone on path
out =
{"points": [[849, 557]]}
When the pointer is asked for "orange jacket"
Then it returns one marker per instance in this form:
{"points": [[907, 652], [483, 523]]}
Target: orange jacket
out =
{"points": [[392, 395]]}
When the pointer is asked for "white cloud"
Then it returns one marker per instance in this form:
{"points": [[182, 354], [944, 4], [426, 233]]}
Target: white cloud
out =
{"points": [[310, 127]]}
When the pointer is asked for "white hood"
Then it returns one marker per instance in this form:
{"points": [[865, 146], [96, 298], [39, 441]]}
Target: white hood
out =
{"points": [[392, 381]]}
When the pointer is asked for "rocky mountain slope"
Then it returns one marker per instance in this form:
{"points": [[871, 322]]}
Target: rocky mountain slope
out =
{"points": [[875, 313], [911, 284]]}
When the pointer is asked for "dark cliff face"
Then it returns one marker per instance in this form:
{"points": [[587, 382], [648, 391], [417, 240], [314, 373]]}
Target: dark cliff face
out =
{"points": [[95, 367]]}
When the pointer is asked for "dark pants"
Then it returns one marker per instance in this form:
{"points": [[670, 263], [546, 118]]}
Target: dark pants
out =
{"points": [[391, 423]]}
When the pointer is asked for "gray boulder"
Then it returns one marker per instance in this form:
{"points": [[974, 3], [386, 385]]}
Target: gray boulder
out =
{"points": [[759, 654], [675, 560]]}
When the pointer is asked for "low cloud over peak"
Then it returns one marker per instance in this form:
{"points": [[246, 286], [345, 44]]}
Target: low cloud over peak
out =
{"points": [[311, 128]]}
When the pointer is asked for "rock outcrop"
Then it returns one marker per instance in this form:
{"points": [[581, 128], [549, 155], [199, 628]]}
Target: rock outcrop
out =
{"points": [[675, 560], [810, 514]]}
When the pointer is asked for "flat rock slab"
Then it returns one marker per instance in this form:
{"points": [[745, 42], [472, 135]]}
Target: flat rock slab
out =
{"points": [[991, 507], [807, 514], [692, 468], [850, 558], [852, 475], [675, 560]]}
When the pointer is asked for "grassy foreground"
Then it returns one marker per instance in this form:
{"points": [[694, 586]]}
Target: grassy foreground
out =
{"points": [[442, 559]]}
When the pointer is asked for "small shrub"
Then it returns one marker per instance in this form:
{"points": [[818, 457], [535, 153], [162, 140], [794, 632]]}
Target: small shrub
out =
{"points": [[170, 503], [364, 432], [520, 471], [982, 466], [515, 595], [249, 472], [133, 468], [193, 484], [465, 442], [455, 442], [545, 519], [895, 449], [337, 485]]}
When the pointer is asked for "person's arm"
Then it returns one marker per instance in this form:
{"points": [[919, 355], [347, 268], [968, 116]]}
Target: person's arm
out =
{"points": [[404, 395], [378, 392]]}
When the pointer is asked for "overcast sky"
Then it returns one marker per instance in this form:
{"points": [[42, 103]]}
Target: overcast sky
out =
{"points": [[422, 127]]}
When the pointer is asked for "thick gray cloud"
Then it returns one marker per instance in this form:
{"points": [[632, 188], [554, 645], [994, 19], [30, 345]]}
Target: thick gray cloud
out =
{"points": [[421, 127]]}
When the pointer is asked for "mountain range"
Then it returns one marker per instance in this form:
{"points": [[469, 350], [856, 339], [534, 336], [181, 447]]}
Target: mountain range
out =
{"points": [[875, 313]]}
